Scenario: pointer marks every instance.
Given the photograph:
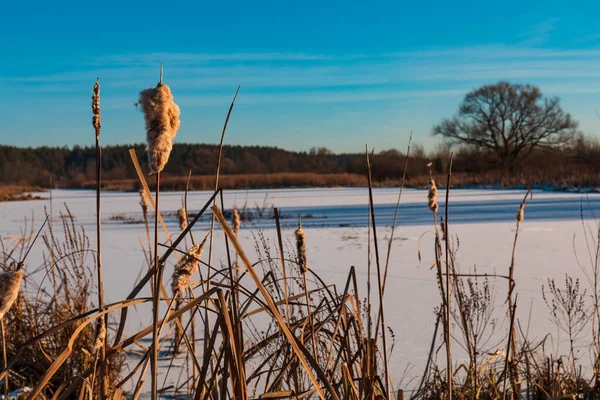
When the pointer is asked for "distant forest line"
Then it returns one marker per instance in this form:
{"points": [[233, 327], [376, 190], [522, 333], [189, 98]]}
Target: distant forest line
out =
{"points": [[262, 166]]}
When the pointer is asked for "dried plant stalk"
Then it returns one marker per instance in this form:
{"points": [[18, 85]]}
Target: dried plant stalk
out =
{"points": [[96, 108], [100, 335], [432, 196], [236, 221], [186, 267], [443, 227], [301, 247], [183, 219], [521, 213], [10, 283], [143, 203]]}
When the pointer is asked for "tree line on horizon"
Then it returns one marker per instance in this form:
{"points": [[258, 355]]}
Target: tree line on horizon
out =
{"points": [[501, 130], [74, 167]]}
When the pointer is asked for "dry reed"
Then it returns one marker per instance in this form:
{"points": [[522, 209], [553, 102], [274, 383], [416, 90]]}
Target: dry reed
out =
{"points": [[521, 213], [10, 283], [100, 335], [97, 126], [143, 203], [186, 267], [443, 228], [96, 108], [301, 247], [183, 218], [432, 196], [235, 216]]}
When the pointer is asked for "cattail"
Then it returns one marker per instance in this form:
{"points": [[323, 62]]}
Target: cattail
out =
{"points": [[432, 196], [183, 218], [186, 267], [10, 283], [143, 202], [301, 247], [100, 335], [521, 213], [162, 122], [96, 108], [443, 226], [235, 221]]}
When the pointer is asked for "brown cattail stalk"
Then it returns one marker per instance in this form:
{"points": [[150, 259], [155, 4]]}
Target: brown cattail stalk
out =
{"points": [[183, 218], [301, 247], [432, 196], [183, 223], [96, 124], [10, 283], [521, 213], [182, 276], [161, 115], [513, 373], [443, 227], [96, 108], [144, 205], [100, 335], [186, 267], [236, 221]]}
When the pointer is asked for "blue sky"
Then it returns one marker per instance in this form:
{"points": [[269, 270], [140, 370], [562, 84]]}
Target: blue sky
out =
{"points": [[313, 73]]}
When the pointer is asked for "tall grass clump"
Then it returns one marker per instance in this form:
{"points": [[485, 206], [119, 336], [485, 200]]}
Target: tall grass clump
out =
{"points": [[48, 311]]}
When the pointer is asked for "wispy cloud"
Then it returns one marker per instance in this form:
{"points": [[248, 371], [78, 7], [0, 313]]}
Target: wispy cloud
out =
{"points": [[156, 58], [304, 77], [539, 33]]}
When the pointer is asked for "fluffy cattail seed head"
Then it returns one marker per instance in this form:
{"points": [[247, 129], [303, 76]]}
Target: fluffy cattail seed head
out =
{"points": [[100, 335], [143, 202], [183, 218], [301, 248], [161, 115], [432, 196], [186, 267], [521, 213], [96, 108], [235, 216], [10, 283]]}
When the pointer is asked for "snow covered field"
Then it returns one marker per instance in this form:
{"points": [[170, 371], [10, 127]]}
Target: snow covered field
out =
{"points": [[335, 221]]}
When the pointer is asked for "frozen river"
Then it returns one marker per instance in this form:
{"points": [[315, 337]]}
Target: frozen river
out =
{"points": [[335, 220]]}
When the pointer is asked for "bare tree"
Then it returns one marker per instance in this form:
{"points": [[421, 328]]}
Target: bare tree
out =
{"points": [[509, 119]]}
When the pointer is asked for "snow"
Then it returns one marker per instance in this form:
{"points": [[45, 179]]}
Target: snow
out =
{"points": [[335, 221]]}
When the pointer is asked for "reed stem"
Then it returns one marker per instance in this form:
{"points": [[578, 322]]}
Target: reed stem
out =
{"points": [[157, 278], [379, 280], [4, 358], [449, 375]]}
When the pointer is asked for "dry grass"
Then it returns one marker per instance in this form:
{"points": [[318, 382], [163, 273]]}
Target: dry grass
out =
{"points": [[18, 193], [207, 182], [47, 314], [302, 180]]}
